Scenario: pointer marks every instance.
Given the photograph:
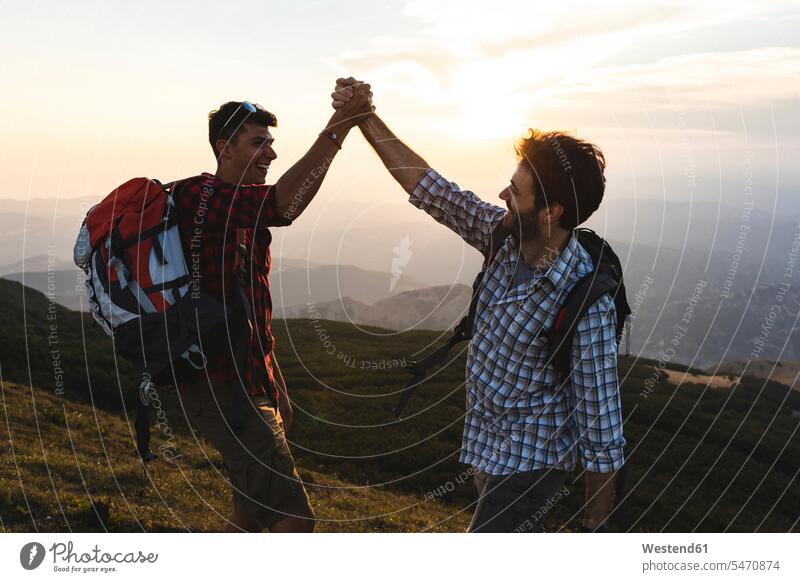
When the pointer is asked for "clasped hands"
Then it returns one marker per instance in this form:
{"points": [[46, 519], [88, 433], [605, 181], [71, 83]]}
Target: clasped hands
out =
{"points": [[352, 101]]}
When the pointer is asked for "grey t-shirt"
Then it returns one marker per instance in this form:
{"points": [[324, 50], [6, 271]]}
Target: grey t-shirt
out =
{"points": [[523, 273]]}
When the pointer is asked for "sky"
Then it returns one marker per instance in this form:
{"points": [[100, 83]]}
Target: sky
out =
{"points": [[688, 100]]}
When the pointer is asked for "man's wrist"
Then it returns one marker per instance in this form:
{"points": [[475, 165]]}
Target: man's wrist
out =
{"points": [[342, 123], [333, 135], [368, 122]]}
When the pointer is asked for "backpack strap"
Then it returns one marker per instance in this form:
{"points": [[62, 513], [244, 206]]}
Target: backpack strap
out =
{"points": [[606, 278], [166, 186], [466, 326], [142, 422], [582, 296], [601, 253], [237, 404], [462, 331]]}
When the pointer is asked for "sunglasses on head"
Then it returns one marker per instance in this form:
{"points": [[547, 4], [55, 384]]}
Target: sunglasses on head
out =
{"points": [[250, 107]]}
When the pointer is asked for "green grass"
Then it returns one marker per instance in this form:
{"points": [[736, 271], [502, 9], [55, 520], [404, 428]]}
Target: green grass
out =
{"points": [[68, 467], [698, 459]]}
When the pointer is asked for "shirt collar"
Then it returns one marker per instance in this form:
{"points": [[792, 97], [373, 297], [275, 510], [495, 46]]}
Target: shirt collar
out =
{"points": [[566, 265], [565, 268]]}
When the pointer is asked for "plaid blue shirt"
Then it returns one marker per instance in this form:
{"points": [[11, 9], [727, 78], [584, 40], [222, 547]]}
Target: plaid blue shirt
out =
{"points": [[520, 415]]}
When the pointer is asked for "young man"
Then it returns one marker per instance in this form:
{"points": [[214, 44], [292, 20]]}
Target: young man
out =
{"points": [[224, 220], [525, 427]]}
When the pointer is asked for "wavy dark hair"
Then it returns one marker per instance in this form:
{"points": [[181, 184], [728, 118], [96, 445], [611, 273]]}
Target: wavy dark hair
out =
{"points": [[225, 122], [566, 170]]}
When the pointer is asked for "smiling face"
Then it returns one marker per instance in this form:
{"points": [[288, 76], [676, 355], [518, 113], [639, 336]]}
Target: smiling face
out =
{"points": [[522, 217], [245, 159]]}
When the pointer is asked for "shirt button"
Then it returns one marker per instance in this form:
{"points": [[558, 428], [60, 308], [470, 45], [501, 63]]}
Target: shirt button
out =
{"points": [[514, 437]]}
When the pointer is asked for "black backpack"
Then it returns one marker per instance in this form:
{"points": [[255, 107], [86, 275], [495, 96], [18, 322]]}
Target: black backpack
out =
{"points": [[606, 278]]}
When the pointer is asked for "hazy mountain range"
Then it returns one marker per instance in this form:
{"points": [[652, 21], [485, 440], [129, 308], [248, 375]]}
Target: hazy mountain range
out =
{"points": [[705, 280]]}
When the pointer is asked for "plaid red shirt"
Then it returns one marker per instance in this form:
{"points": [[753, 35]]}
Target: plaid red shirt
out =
{"points": [[210, 212]]}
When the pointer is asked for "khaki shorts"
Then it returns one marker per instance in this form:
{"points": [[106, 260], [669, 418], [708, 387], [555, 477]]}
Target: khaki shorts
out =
{"points": [[265, 482]]}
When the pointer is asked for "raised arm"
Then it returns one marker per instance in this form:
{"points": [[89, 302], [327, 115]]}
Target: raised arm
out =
{"points": [[460, 210], [405, 165], [295, 189]]}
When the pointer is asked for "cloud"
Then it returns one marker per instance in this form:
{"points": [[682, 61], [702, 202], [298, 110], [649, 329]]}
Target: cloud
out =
{"points": [[529, 57], [450, 32], [730, 78]]}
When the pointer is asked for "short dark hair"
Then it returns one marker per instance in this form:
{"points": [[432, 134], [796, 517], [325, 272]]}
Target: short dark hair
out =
{"points": [[225, 122], [566, 170]]}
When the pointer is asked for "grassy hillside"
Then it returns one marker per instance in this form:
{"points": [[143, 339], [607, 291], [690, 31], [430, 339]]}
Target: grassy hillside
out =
{"points": [[699, 458], [69, 467]]}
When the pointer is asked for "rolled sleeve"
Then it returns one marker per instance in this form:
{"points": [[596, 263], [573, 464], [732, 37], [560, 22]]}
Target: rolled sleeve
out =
{"points": [[459, 210], [595, 383]]}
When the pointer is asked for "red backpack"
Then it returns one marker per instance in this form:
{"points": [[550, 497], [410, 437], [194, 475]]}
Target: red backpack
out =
{"points": [[141, 293]]}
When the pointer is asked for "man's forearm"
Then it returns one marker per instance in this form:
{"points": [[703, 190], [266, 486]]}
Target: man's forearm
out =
{"points": [[599, 498], [459, 210], [402, 162], [295, 189]]}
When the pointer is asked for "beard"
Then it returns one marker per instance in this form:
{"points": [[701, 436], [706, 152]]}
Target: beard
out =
{"points": [[522, 227]]}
